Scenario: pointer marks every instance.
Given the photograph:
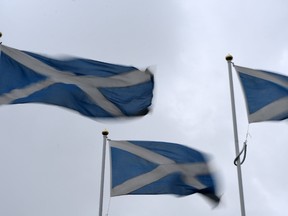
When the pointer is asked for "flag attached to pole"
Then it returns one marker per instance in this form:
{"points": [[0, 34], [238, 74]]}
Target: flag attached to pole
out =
{"points": [[266, 94], [150, 167], [92, 88]]}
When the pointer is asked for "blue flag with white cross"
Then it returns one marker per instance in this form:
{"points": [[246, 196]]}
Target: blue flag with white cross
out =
{"points": [[151, 167], [266, 94], [92, 88]]}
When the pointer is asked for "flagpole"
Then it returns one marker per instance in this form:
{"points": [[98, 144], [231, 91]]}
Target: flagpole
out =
{"points": [[104, 133], [229, 58]]}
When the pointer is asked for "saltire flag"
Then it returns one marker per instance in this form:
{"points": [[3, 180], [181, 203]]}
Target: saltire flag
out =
{"points": [[266, 94], [151, 167], [92, 88]]}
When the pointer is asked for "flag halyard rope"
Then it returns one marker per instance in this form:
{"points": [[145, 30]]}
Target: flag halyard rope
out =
{"points": [[243, 151]]}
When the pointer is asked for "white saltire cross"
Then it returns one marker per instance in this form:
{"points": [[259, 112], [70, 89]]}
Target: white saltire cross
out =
{"points": [[277, 107], [88, 83], [166, 166]]}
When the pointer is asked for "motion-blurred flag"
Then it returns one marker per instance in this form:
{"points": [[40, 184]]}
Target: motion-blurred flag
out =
{"points": [[93, 88], [266, 94], [150, 167]]}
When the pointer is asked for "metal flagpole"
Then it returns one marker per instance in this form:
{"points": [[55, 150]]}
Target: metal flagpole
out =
{"points": [[229, 59], [104, 133]]}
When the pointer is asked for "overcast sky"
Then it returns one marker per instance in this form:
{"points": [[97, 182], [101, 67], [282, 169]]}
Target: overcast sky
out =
{"points": [[50, 157]]}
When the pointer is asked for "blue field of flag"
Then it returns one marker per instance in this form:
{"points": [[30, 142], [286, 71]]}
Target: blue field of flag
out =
{"points": [[150, 167], [266, 94], [92, 88]]}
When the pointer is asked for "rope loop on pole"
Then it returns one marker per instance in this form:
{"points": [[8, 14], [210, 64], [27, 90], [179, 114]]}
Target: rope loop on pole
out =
{"points": [[243, 151]]}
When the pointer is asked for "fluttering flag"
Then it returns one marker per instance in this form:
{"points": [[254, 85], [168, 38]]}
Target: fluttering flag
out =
{"points": [[92, 88], [266, 94], [150, 167]]}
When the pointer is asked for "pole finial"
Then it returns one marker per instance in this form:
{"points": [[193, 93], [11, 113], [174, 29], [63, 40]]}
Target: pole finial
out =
{"points": [[105, 132], [229, 57]]}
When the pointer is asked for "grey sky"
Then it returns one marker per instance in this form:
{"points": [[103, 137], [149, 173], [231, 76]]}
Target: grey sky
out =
{"points": [[50, 157]]}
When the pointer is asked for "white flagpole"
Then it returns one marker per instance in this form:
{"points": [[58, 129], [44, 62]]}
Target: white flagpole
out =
{"points": [[104, 133], [229, 59]]}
